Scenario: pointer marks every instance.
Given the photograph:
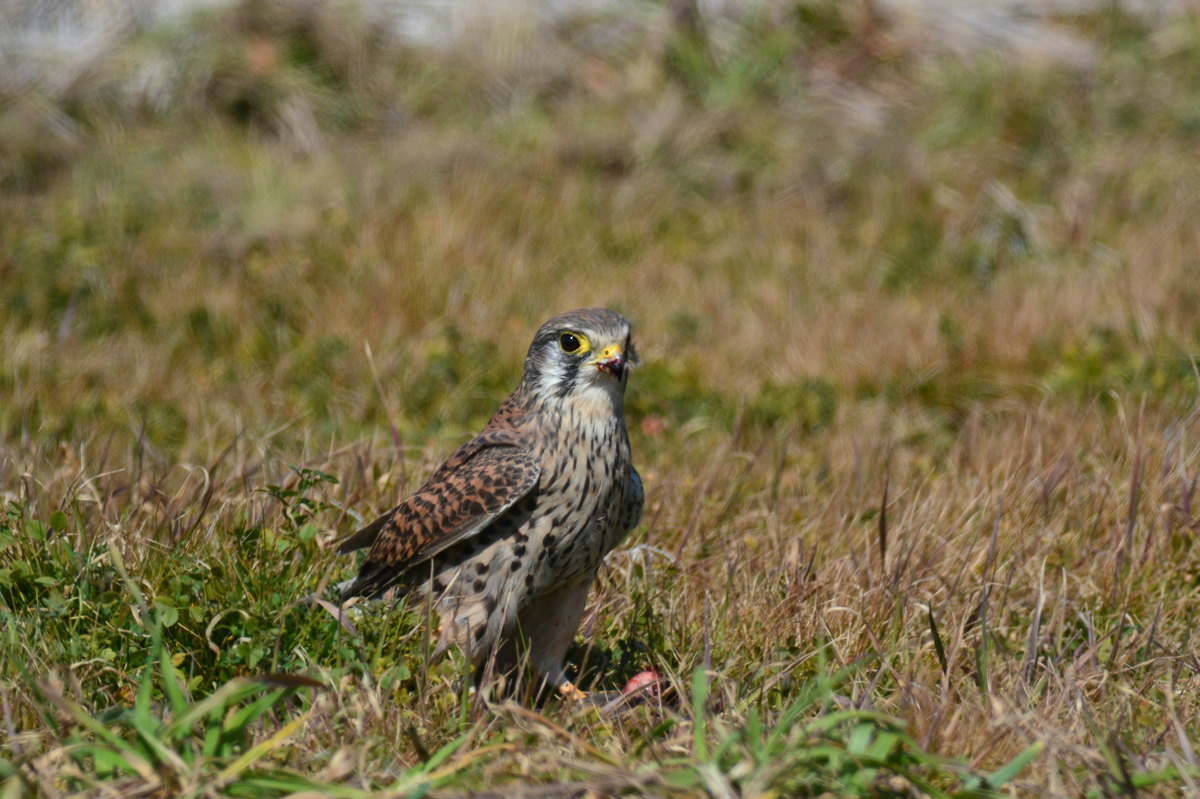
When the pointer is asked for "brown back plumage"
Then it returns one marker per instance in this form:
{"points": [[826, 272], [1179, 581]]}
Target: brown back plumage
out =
{"points": [[480, 481]]}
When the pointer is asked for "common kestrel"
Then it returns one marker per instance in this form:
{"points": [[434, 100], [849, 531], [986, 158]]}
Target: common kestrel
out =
{"points": [[507, 535]]}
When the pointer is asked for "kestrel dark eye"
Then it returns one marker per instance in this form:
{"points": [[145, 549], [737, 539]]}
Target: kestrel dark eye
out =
{"points": [[569, 342]]}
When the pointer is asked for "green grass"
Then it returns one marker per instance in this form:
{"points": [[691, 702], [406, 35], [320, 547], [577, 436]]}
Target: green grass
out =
{"points": [[917, 417]]}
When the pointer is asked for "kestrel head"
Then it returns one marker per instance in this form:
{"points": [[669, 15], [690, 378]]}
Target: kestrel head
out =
{"points": [[583, 354]]}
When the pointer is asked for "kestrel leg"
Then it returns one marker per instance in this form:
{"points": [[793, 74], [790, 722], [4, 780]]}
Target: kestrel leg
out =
{"points": [[548, 623]]}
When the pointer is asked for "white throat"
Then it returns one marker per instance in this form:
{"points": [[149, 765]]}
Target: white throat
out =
{"points": [[599, 399]]}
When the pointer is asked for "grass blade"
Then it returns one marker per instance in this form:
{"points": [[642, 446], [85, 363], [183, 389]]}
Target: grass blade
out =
{"points": [[699, 709], [261, 749], [938, 646], [1008, 772], [230, 693]]}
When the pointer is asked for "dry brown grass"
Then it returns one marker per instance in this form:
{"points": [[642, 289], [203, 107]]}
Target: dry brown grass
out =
{"points": [[982, 308]]}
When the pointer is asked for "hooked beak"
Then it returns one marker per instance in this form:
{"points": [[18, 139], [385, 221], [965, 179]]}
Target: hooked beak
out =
{"points": [[612, 361]]}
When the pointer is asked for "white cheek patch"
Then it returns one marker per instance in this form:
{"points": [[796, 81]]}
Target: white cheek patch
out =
{"points": [[553, 377]]}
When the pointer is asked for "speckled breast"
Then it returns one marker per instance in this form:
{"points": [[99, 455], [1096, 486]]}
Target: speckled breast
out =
{"points": [[584, 479]]}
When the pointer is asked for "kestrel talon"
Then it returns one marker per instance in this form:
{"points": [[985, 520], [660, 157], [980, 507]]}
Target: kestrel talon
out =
{"points": [[507, 535]]}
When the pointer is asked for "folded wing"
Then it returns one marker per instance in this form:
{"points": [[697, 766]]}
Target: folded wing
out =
{"points": [[480, 481]]}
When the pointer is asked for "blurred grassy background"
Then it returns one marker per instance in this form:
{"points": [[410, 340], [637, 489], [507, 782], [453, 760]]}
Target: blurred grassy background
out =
{"points": [[213, 222], [276, 234]]}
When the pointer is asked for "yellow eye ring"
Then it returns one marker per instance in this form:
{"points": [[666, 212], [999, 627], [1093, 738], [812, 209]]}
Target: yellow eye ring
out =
{"points": [[573, 343]]}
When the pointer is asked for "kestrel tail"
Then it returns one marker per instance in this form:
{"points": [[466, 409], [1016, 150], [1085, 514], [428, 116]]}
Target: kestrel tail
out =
{"points": [[507, 535]]}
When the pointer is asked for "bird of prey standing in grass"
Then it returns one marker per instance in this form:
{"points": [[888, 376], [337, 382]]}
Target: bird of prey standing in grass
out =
{"points": [[507, 535]]}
